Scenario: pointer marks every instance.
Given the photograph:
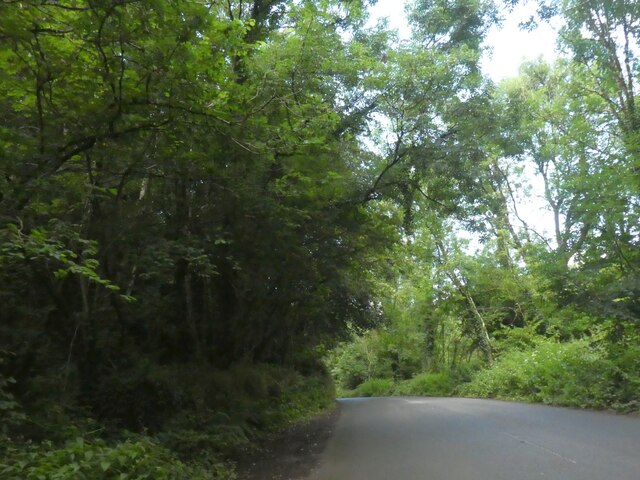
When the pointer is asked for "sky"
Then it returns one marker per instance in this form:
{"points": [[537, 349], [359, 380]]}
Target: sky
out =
{"points": [[509, 46]]}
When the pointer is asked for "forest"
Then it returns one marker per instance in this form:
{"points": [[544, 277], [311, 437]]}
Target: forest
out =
{"points": [[216, 216]]}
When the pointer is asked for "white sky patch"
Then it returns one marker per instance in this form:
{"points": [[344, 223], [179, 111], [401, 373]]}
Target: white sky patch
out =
{"points": [[531, 205], [510, 45], [393, 10]]}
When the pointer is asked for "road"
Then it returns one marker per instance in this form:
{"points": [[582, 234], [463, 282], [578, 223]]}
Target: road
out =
{"points": [[467, 439]]}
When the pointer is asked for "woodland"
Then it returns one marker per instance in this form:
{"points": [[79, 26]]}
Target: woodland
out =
{"points": [[216, 216]]}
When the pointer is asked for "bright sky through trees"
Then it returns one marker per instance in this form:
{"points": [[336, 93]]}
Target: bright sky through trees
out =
{"points": [[510, 46]]}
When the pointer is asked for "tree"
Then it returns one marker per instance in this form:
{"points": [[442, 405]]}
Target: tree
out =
{"points": [[183, 185]]}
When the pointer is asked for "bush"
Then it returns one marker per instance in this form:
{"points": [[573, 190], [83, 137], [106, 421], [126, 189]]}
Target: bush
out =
{"points": [[192, 435], [129, 460], [10, 411], [210, 414], [359, 360], [259, 396], [309, 396], [134, 400], [377, 354], [573, 374], [376, 387], [627, 381], [428, 384]]}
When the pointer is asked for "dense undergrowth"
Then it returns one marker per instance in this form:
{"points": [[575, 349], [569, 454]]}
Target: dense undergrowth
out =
{"points": [[202, 427], [579, 373]]}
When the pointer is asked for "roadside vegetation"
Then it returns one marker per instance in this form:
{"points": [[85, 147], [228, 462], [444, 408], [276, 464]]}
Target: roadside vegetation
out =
{"points": [[577, 373], [174, 423], [483, 302], [200, 202], [572, 342]]}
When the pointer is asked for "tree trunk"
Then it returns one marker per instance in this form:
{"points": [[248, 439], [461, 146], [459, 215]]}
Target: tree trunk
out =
{"points": [[478, 325]]}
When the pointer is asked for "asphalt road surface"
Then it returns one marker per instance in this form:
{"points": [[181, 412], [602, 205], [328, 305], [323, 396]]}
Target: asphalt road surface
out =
{"points": [[466, 439]]}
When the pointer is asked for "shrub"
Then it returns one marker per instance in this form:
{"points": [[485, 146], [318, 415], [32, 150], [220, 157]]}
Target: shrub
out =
{"points": [[376, 387], [206, 420], [10, 411], [310, 396], [259, 396], [377, 354], [134, 401], [129, 460], [428, 384], [573, 374], [192, 435], [355, 362], [627, 381]]}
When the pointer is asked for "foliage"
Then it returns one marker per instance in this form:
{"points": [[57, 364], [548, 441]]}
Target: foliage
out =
{"points": [[372, 355], [81, 458], [576, 373], [199, 200], [215, 417], [428, 385], [10, 410], [397, 352], [557, 311], [375, 387], [626, 381], [182, 204]]}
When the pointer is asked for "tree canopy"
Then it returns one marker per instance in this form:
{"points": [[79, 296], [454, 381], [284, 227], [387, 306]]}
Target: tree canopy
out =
{"points": [[199, 201]]}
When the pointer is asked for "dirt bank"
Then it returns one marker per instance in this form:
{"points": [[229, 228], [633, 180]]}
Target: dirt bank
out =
{"points": [[292, 454]]}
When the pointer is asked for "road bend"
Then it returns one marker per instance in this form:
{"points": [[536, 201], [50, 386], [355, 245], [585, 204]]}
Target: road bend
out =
{"points": [[405, 438]]}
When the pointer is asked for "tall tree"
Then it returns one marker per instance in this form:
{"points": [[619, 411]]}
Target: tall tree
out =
{"points": [[182, 183]]}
